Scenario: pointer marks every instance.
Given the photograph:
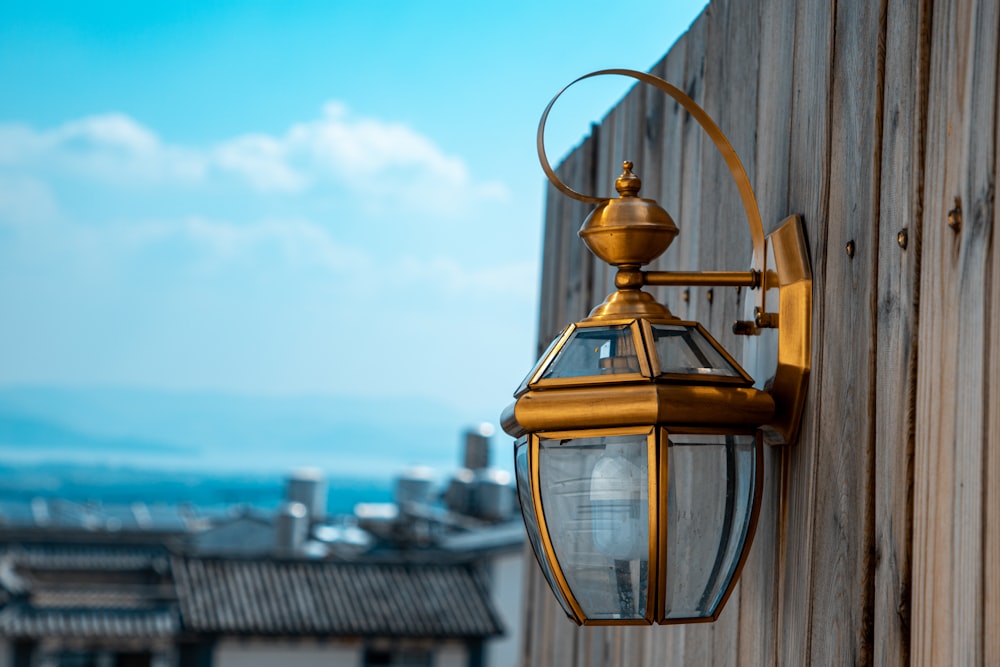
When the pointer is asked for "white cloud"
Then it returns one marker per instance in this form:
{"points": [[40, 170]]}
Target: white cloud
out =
{"points": [[203, 243], [110, 147], [19, 144], [515, 279], [261, 160], [111, 132], [384, 165], [25, 200], [294, 245], [365, 150], [300, 242]]}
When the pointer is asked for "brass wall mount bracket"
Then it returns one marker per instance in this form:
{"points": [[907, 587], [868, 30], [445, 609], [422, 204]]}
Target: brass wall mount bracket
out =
{"points": [[779, 351]]}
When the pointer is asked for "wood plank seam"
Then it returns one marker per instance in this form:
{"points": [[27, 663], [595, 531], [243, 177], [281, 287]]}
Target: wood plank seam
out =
{"points": [[917, 238], [867, 653], [989, 402]]}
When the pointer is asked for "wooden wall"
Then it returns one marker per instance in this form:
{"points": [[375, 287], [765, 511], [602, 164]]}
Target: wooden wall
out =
{"points": [[879, 537]]}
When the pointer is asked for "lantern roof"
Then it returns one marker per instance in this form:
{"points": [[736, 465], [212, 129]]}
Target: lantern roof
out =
{"points": [[611, 351], [612, 373]]}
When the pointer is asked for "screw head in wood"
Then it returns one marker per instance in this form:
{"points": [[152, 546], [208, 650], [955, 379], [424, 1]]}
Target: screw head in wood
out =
{"points": [[955, 216], [903, 238], [849, 249]]}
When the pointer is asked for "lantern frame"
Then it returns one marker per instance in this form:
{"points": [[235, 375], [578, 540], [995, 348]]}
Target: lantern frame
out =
{"points": [[657, 444], [601, 400]]}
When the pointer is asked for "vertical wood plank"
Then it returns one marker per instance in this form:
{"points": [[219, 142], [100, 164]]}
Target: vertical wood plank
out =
{"points": [[991, 482], [730, 97], [575, 263], [607, 167], [808, 192], [680, 184], [843, 539], [631, 133], [952, 385], [552, 276], [758, 605], [977, 236], [663, 155], [905, 100], [933, 465], [690, 141], [683, 642]]}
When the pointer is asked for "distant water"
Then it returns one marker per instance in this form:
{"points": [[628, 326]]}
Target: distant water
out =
{"points": [[158, 430], [117, 446], [20, 483]]}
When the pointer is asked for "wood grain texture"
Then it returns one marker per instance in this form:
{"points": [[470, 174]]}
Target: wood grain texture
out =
{"points": [[730, 98], [758, 629], [952, 383], [842, 564], [808, 193], [729, 95], [880, 530], [690, 141], [665, 149], [901, 197], [991, 467]]}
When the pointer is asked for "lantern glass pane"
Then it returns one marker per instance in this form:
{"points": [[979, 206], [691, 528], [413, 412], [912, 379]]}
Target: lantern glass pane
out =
{"points": [[710, 496], [523, 387], [683, 349], [523, 474], [595, 494], [596, 351]]}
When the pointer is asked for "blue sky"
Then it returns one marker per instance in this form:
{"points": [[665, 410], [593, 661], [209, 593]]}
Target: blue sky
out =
{"points": [[290, 198]]}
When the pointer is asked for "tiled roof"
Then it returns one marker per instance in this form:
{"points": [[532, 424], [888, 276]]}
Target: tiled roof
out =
{"points": [[78, 597], [86, 557], [18, 620], [87, 592], [267, 597]]}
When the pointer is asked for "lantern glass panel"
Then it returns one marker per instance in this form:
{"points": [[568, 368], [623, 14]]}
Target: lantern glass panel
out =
{"points": [[523, 474], [596, 351], [683, 349], [595, 495], [523, 387], [711, 489]]}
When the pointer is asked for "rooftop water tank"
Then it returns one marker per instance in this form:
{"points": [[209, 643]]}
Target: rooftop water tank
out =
{"points": [[308, 487], [414, 486], [291, 528], [494, 495]]}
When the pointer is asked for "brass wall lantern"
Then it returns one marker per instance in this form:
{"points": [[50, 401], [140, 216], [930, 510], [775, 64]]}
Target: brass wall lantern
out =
{"points": [[639, 439]]}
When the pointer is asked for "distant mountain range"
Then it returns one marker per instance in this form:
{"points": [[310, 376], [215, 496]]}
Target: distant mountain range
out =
{"points": [[140, 428]]}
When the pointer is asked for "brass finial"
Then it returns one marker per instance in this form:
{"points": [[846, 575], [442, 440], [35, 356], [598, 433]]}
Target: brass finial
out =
{"points": [[628, 231], [628, 184]]}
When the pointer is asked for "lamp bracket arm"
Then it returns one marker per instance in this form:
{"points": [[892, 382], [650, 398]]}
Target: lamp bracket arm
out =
{"points": [[751, 279], [708, 125]]}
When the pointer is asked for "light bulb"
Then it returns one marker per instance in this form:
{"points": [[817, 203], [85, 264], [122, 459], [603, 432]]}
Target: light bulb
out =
{"points": [[619, 504]]}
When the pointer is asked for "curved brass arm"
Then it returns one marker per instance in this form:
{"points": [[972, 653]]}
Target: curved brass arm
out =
{"points": [[711, 129]]}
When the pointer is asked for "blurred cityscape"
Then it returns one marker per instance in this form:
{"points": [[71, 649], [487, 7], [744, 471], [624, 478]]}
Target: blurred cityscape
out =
{"points": [[426, 571]]}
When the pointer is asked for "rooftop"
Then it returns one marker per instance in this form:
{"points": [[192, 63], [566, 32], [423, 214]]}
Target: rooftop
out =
{"points": [[87, 592]]}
